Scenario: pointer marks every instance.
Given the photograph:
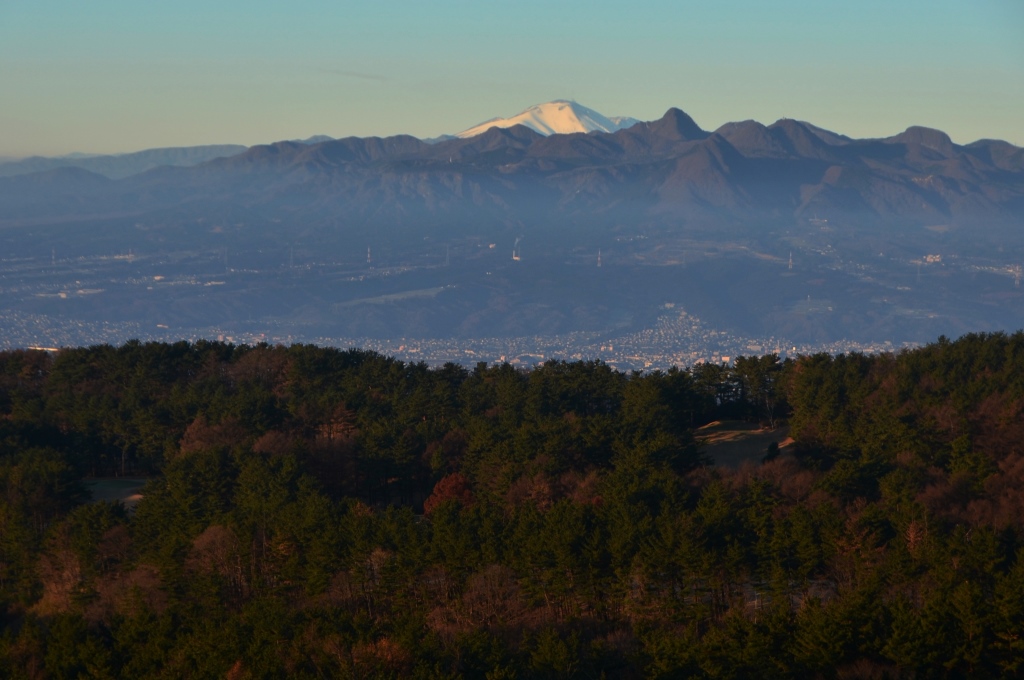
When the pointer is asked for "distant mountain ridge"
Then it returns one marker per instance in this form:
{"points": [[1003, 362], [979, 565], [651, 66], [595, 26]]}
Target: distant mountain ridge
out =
{"points": [[555, 117], [664, 172], [117, 166]]}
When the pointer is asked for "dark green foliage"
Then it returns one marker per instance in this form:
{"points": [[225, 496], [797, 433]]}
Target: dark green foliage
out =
{"points": [[318, 513]]}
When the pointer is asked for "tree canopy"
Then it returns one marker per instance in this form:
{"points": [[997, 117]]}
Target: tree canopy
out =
{"points": [[314, 512]]}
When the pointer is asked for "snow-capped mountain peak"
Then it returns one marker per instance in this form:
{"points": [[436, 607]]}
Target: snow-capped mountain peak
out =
{"points": [[556, 117]]}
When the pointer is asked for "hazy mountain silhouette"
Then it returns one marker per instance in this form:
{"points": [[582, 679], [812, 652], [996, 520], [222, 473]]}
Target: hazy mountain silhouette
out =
{"points": [[123, 165], [658, 172]]}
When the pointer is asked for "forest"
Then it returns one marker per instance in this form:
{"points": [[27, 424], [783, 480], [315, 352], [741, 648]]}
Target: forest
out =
{"points": [[313, 512]]}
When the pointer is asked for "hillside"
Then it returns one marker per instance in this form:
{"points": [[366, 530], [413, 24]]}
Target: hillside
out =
{"points": [[321, 512]]}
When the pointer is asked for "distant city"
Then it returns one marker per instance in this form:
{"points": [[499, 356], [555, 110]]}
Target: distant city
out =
{"points": [[678, 339], [52, 302]]}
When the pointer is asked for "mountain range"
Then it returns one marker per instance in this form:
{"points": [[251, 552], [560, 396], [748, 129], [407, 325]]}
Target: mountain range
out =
{"points": [[556, 117], [117, 166], [663, 172], [785, 230]]}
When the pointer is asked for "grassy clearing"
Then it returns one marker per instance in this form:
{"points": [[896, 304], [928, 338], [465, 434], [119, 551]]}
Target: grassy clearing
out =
{"points": [[124, 489], [730, 443]]}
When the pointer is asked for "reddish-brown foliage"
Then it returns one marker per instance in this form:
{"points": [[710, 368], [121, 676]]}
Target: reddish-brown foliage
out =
{"points": [[201, 435], [451, 487]]}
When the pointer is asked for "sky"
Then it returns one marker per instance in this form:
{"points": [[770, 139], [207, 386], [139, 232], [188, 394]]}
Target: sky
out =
{"points": [[110, 76]]}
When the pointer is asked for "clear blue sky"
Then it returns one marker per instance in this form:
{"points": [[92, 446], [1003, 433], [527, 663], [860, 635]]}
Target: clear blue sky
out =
{"points": [[114, 75]]}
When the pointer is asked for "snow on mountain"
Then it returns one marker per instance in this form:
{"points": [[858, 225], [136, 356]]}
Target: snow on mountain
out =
{"points": [[624, 122], [558, 117], [315, 139]]}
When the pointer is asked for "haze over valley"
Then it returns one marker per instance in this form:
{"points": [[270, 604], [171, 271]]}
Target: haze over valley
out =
{"points": [[651, 245]]}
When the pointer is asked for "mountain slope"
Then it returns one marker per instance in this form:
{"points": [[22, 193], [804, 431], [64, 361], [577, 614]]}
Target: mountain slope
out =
{"points": [[555, 117]]}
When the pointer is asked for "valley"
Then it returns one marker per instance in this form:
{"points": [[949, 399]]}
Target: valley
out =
{"points": [[655, 300]]}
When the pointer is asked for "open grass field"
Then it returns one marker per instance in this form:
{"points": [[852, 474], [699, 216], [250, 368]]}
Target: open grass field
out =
{"points": [[124, 489], [730, 443]]}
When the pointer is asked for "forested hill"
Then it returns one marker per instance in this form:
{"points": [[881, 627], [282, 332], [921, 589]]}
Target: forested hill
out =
{"points": [[313, 512]]}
